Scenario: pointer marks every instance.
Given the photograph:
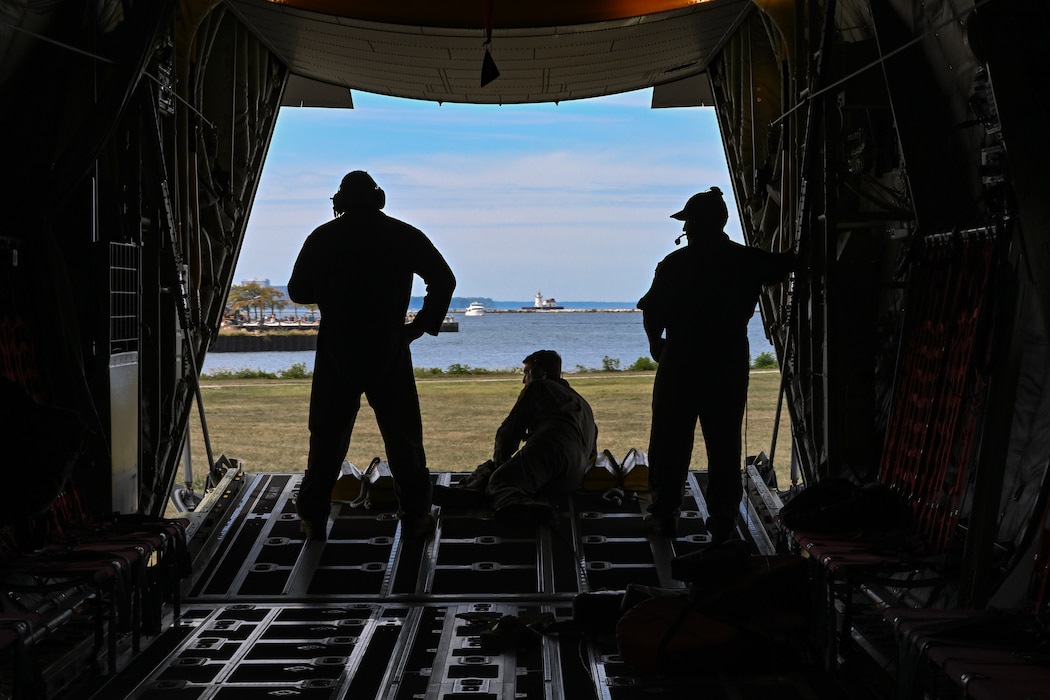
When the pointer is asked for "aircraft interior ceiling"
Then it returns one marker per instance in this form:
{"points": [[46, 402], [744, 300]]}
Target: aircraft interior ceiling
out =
{"points": [[535, 63]]}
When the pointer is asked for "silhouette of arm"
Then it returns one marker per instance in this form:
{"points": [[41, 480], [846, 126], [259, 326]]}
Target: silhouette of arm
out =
{"points": [[774, 267], [654, 330], [515, 427], [653, 315], [302, 287], [435, 272]]}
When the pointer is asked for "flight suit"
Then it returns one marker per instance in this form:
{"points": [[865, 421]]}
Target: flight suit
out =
{"points": [[359, 269], [703, 297], [557, 426]]}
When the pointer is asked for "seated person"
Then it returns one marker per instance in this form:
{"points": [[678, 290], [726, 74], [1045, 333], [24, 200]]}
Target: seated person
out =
{"points": [[560, 440]]}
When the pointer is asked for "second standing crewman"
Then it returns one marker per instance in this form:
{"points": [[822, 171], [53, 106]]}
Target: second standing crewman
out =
{"points": [[359, 269]]}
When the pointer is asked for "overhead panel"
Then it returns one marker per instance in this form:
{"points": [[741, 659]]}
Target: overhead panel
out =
{"points": [[304, 92], [536, 63], [693, 91], [471, 14]]}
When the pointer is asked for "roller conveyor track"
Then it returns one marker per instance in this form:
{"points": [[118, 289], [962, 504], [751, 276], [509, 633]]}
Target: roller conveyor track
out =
{"points": [[371, 614], [259, 554]]}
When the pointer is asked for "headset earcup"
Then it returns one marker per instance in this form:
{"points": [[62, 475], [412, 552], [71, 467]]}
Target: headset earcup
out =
{"points": [[345, 200], [339, 203]]}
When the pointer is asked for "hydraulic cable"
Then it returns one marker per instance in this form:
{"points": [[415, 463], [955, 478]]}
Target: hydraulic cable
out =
{"points": [[181, 292], [809, 151]]}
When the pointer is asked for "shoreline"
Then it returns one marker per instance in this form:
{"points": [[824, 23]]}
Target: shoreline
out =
{"points": [[551, 311], [299, 337]]}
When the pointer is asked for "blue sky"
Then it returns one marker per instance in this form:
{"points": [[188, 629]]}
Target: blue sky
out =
{"points": [[572, 199]]}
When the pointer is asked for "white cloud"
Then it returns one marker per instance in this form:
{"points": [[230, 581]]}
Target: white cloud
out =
{"points": [[571, 200]]}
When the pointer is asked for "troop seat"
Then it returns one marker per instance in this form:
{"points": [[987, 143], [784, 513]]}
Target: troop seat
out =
{"points": [[985, 655], [121, 570], [17, 634], [869, 538], [932, 435]]}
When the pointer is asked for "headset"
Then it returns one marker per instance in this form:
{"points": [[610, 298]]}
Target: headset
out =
{"points": [[358, 191], [709, 205]]}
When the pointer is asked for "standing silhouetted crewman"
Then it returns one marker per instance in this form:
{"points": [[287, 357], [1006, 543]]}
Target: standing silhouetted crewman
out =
{"points": [[358, 269], [695, 315]]}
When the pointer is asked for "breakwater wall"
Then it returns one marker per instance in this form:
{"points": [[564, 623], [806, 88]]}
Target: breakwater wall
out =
{"points": [[264, 342]]}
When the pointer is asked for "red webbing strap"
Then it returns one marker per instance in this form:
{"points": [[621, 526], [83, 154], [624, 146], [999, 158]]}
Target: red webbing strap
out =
{"points": [[930, 437], [964, 387], [18, 361], [915, 385], [952, 379]]}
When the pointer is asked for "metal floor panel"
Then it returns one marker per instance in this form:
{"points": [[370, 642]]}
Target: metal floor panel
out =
{"points": [[260, 555], [370, 614], [359, 650], [412, 651]]}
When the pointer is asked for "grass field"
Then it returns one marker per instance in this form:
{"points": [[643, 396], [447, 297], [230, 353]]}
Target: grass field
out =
{"points": [[264, 422]]}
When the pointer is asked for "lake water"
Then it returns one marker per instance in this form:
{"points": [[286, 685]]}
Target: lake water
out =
{"points": [[501, 340]]}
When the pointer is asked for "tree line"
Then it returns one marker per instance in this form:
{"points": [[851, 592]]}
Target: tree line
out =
{"points": [[250, 302]]}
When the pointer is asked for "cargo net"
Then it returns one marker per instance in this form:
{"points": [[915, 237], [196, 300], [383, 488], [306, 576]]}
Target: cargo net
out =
{"points": [[25, 436], [18, 362], [941, 379]]}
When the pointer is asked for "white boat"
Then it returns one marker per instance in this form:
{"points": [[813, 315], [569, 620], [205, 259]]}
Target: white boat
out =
{"points": [[476, 308]]}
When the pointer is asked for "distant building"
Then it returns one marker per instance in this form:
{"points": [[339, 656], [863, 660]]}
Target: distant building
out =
{"points": [[542, 304], [261, 281]]}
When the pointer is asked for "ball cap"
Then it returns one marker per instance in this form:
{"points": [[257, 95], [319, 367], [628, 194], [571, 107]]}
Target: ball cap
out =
{"points": [[703, 205]]}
